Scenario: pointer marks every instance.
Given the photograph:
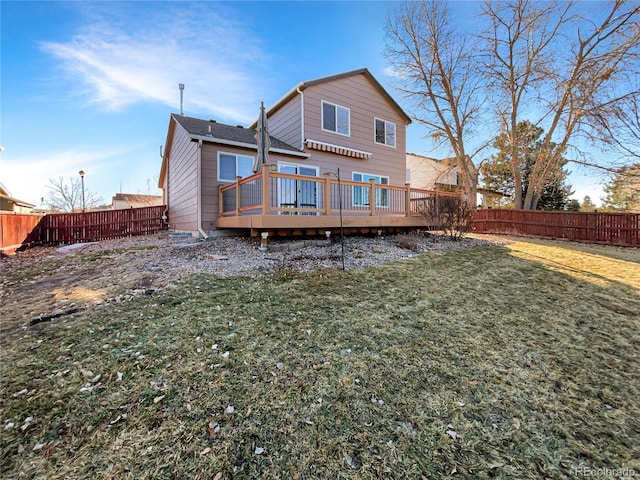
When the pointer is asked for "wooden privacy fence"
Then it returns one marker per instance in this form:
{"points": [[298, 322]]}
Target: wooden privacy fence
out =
{"points": [[63, 228], [14, 229], [609, 228]]}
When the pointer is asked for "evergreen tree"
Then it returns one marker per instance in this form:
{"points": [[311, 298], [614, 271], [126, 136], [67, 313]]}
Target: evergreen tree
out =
{"points": [[497, 174], [623, 190], [587, 205], [573, 205]]}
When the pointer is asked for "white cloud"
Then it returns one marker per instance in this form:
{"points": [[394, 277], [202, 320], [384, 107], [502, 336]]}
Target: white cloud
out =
{"points": [[120, 60], [27, 177]]}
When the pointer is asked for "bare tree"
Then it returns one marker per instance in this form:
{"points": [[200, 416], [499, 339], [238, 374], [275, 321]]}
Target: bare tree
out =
{"points": [[519, 45], [588, 82], [437, 72], [622, 128], [573, 74], [66, 196]]}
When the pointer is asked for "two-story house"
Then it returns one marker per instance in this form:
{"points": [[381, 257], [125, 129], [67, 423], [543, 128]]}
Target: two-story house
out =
{"points": [[346, 123]]}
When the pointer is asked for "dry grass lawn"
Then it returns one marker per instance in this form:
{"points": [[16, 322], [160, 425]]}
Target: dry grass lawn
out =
{"points": [[510, 361]]}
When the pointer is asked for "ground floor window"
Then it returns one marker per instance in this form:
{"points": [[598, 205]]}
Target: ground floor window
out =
{"points": [[232, 165], [361, 194]]}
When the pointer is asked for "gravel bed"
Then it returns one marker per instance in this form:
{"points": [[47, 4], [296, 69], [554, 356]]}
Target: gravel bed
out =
{"points": [[232, 256], [43, 282]]}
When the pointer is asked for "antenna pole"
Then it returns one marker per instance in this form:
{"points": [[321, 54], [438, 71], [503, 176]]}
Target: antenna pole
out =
{"points": [[181, 87]]}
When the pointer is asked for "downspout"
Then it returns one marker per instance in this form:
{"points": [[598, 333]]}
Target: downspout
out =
{"points": [[199, 203], [301, 117]]}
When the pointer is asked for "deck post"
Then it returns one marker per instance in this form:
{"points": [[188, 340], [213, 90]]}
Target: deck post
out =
{"points": [[372, 197], [327, 193], [407, 200], [265, 189], [238, 196], [220, 204]]}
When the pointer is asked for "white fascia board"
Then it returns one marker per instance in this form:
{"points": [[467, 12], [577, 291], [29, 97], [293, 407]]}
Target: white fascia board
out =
{"points": [[251, 146]]}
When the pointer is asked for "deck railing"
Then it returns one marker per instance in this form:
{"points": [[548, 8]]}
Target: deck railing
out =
{"points": [[277, 193]]}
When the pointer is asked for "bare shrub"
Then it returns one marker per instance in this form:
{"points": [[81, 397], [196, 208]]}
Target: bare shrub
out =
{"points": [[452, 215], [409, 242]]}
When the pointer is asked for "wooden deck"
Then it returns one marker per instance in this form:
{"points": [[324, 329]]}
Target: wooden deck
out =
{"points": [[273, 201]]}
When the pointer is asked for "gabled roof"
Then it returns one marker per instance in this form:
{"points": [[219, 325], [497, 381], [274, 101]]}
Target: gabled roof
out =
{"points": [[6, 194], [309, 83], [18, 202], [220, 133], [212, 131]]}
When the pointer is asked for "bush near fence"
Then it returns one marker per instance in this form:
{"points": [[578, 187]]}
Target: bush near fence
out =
{"points": [[593, 227], [65, 228]]}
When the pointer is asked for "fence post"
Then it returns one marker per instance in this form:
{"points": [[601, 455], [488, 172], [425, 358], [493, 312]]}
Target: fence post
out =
{"points": [[266, 205]]}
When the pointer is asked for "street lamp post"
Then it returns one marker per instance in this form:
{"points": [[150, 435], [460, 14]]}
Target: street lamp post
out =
{"points": [[81, 173]]}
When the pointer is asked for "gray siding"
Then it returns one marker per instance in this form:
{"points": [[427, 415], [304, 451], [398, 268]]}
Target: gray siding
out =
{"points": [[182, 182]]}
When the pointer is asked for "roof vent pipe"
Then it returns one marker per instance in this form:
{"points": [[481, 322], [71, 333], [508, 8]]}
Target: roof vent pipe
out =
{"points": [[181, 87]]}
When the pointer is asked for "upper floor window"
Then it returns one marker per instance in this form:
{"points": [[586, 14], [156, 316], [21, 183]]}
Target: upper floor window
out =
{"points": [[231, 165], [335, 118], [385, 132]]}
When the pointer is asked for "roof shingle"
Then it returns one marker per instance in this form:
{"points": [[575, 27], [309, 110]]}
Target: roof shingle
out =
{"points": [[215, 130]]}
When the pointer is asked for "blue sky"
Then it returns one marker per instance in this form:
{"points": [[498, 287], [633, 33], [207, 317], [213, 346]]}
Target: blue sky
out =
{"points": [[90, 85]]}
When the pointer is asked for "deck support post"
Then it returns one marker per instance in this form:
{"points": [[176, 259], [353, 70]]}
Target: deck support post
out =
{"points": [[263, 241]]}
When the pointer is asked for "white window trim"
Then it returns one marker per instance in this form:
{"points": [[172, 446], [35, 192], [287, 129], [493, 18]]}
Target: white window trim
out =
{"points": [[395, 127], [362, 174], [322, 102], [298, 165], [224, 180]]}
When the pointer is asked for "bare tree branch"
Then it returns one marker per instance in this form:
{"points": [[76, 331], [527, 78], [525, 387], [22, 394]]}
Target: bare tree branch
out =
{"points": [[519, 42], [438, 74], [67, 196]]}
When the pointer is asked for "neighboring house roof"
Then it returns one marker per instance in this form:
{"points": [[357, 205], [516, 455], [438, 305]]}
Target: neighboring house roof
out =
{"points": [[5, 194], [212, 131], [137, 199], [21, 203], [309, 83]]}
